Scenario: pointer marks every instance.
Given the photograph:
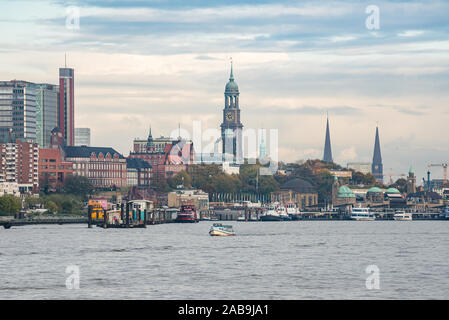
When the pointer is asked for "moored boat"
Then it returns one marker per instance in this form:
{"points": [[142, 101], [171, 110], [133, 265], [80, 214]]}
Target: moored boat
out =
{"points": [[362, 214], [187, 214], [271, 214], [402, 216], [293, 211], [282, 211], [219, 229]]}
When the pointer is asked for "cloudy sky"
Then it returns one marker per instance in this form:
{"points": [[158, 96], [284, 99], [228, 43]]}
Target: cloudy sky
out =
{"points": [[160, 63]]}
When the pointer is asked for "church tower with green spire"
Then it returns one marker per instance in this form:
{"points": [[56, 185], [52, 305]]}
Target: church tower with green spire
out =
{"points": [[231, 127]]}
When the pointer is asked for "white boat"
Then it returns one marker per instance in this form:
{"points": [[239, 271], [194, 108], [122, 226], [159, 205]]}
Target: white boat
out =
{"points": [[282, 211], [219, 229], [293, 211], [271, 213], [362, 214], [402, 216]]}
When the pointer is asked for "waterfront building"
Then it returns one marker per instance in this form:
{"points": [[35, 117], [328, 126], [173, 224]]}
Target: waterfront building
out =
{"points": [[196, 197], [327, 157], [297, 191], [362, 167], [166, 156], [375, 194], [138, 172], [377, 166], [424, 200], [151, 145], [47, 96], [11, 188], [17, 111], [341, 173], [66, 112], [82, 137], [342, 195], [231, 127], [53, 169], [104, 167], [19, 164]]}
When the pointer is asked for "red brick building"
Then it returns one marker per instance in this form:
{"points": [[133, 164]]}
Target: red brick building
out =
{"points": [[104, 167], [53, 169], [174, 157], [19, 164]]}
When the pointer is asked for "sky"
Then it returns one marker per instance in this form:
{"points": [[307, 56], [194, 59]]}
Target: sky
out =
{"points": [[163, 63]]}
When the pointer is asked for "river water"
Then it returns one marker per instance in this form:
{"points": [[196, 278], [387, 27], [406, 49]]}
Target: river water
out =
{"points": [[266, 260]]}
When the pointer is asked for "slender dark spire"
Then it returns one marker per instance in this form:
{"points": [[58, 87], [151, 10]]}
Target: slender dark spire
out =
{"points": [[377, 166], [231, 77], [327, 145]]}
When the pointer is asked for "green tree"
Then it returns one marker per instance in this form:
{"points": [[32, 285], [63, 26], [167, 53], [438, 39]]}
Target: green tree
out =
{"points": [[51, 206], [161, 185], [78, 185], [400, 184], [181, 178], [9, 205], [31, 202]]}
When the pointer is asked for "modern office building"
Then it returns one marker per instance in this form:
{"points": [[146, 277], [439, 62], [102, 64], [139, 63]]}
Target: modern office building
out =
{"points": [[46, 112], [17, 111], [82, 137], [66, 112]]}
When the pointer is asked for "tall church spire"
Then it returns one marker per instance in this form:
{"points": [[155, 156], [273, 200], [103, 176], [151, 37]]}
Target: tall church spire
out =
{"points": [[327, 145], [231, 127], [377, 166], [231, 77]]}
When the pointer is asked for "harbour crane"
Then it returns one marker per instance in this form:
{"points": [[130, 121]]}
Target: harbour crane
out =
{"points": [[391, 175], [444, 166]]}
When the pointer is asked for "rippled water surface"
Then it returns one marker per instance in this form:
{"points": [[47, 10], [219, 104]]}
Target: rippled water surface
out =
{"points": [[266, 260]]}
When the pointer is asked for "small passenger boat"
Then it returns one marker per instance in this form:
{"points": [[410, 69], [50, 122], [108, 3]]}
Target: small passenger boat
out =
{"points": [[219, 229]]}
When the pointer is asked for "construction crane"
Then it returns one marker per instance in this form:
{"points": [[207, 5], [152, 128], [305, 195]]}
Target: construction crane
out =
{"points": [[444, 166], [391, 175]]}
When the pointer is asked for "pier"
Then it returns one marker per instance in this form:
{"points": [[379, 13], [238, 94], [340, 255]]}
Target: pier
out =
{"points": [[8, 223]]}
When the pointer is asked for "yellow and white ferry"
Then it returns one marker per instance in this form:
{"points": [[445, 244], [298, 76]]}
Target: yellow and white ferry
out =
{"points": [[218, 229]]}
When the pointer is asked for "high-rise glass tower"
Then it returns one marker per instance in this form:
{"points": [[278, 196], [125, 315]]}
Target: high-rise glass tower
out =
{"points": [[82, 137], [17, 111], [46, 112], [66, 112]]}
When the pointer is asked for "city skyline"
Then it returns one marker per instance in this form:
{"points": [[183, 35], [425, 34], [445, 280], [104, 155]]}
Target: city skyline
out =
{"points": [[289, 74]]}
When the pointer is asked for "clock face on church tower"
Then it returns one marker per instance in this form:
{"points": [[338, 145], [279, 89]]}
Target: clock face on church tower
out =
{"points": [[229, 116]]}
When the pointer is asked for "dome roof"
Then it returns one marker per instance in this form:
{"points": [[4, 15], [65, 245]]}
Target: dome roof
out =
{"points": [[232, 86], [298, 185], [345, 192], [374, 190], [393, 190]]}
